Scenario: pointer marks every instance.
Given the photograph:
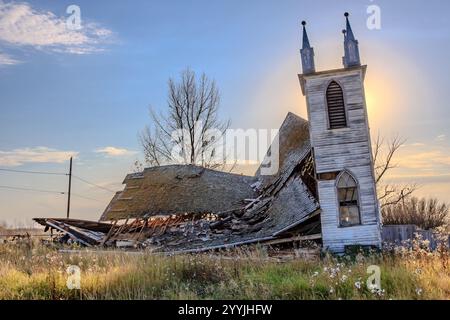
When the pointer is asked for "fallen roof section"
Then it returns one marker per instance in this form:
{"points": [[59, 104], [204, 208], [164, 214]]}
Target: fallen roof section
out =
{"points": [[90, 225], [282, 206], [178, 189], [86, 233], [293, 141], [184, 208]]}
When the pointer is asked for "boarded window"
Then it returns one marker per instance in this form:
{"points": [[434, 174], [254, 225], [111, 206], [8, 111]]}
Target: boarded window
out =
{"points": [[347, 190], [336, 106], [324, 176]]}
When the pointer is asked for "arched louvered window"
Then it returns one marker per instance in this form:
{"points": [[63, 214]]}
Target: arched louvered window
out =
{"points": [[347, 191], [336, 106]]}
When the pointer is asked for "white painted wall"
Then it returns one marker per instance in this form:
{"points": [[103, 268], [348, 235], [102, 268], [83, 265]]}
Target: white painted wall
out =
{"points": [[343, 149]]}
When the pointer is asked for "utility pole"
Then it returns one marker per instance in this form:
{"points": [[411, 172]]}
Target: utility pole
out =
{"points": [[70, 185]]}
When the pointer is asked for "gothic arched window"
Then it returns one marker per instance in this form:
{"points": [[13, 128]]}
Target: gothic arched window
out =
{"points": [[347, 191], [336, 106]]}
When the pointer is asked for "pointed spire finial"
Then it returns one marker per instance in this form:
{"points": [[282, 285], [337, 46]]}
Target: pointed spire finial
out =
{"points": [[349, 27], [305, 36], [307, 53], [351, 57]]}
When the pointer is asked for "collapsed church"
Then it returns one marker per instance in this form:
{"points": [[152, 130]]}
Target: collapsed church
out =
{"points": [[324, 189]]}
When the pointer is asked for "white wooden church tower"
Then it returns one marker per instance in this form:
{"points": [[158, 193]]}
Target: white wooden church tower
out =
{"points": [[339, 133]]}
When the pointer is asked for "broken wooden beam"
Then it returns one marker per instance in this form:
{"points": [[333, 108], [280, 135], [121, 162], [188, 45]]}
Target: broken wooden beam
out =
{"points": [[69, 231], [316, 236]]}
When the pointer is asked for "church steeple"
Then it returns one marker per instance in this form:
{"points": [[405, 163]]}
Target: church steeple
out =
{"points": [[307, 53], [337, 115], [351, 49]]}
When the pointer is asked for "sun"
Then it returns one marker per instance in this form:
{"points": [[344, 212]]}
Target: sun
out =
{"points": [[370, 100], [379, 97]]}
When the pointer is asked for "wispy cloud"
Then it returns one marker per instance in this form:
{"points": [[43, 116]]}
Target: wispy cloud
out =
{"points": [[19, 157], [115, 152], [7, 60], [415, 144], [441, 137], [426, 160], [22, 25]]}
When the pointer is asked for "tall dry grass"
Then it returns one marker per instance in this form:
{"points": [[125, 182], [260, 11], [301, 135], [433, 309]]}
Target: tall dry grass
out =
{"points": [[33, 271]]}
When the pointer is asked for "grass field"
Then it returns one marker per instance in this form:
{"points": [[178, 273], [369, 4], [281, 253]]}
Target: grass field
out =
{"points": [[33, 271]]}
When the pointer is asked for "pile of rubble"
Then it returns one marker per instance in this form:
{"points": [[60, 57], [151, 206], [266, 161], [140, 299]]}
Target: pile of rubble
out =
{"points": [[185, 208], [269, 218]]}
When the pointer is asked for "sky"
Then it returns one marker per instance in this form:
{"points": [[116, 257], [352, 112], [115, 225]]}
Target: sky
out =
{"points": [[86, 93]]}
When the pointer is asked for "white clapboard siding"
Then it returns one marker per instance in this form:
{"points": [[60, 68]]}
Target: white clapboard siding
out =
{"points": [[343, 149]]}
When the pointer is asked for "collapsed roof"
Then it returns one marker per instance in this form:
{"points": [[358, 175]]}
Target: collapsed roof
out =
{"points": [[187, 208], [176, 189]]}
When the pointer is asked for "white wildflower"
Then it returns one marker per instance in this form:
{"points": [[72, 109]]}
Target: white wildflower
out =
{"points": [[372, 287], [375, 290]]}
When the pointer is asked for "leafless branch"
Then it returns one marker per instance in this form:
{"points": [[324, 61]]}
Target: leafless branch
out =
{"points": [[383, 162], [392, 194], [384, 152]]}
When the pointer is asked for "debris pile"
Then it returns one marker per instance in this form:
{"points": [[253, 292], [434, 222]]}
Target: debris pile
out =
{"points": [[185, 208]]}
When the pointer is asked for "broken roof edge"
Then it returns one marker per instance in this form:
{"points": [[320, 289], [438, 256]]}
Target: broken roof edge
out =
{"points": [[78, 223], [290, 114], [141, 174], [291, 123]]}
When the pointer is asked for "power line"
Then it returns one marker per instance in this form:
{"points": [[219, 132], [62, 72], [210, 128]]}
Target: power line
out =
{"points": [[48, 191], [93, 184], [57, 174], [84, 197], [54, 191], [34, 172], [32, 189]]}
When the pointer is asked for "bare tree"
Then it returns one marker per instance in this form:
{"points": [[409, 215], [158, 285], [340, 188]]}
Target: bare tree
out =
{"points": [[189, 132], [383, 155]]}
